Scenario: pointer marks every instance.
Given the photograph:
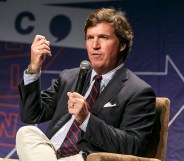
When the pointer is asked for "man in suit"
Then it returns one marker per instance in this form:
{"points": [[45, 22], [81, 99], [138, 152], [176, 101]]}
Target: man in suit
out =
{"points": [[120, 120]]}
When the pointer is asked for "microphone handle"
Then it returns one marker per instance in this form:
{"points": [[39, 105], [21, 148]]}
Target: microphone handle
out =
{"points": [[80, 82]]}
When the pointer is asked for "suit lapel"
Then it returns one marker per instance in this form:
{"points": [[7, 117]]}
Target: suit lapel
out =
{"points": [[116, 84]]}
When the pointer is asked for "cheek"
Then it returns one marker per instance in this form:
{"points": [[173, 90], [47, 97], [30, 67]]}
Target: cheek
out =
{"points": [[110, 54], [87, 44]]}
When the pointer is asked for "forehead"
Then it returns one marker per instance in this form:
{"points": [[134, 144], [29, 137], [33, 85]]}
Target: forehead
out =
{"points": [[103, 27]]}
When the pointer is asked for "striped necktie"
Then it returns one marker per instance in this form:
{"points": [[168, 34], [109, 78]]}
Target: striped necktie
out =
{"points": [[69, 145], [95, 90]]}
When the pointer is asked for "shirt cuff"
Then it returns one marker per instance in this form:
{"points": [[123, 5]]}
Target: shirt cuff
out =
{"points": [[29, 78], [84, 125]]}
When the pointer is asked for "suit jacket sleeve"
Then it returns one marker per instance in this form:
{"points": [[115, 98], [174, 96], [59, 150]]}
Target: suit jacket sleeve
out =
{"points": [[37, 106]]}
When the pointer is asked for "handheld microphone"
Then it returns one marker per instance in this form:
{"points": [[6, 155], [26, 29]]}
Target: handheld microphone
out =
{"points": [[84, 68]]}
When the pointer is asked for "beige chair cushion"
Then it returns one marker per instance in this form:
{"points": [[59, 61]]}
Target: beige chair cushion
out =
{"points": [[116, 157]]}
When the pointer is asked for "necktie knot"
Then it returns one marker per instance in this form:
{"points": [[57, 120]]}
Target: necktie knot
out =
{"points": [[97, 78]]}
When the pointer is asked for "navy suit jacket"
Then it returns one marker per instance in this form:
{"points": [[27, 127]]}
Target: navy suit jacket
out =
{"points": [[123, 127]]}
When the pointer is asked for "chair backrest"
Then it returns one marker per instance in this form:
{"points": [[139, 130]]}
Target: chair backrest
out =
{"points": [[158, 141]]}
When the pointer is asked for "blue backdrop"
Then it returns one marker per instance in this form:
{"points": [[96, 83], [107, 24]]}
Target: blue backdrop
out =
{"points": [[157, 54]]}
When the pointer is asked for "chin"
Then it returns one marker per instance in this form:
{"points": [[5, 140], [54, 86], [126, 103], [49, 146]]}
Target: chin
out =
{"points": [[96, 65]]}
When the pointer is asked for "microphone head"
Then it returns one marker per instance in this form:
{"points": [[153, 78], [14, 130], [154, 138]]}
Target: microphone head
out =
{"points": [[85, 65], [84, 68]]}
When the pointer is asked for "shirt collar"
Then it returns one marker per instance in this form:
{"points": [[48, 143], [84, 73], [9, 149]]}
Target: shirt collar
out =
{"points": [[108, 76]]}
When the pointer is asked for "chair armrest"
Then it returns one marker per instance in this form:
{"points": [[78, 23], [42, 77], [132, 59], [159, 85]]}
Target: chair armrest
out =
{"points": [[103, 156]]}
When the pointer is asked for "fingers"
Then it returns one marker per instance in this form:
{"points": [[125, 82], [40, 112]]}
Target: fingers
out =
{"points": [[38, 38], [76, 103], [41, 45], [40, 48], [44, 48], [77, 106]]}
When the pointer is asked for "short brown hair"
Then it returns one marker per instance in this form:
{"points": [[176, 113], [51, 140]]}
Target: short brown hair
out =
{"points": [[121, 25]]}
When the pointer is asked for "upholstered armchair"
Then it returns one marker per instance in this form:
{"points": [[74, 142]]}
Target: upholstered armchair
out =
{"points": [[157, 145]]}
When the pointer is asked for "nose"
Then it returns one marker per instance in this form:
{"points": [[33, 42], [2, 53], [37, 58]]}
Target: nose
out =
{"points": [[96, 43]]}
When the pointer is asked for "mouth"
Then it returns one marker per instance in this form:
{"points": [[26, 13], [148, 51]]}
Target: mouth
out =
{"points": [[96, 55]]}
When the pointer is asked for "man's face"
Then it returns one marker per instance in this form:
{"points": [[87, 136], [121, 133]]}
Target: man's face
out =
{"points": [[103, 47]]}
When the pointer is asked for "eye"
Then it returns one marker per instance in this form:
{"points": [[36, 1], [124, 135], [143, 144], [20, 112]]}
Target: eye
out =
{"points": [[89, 37], [104, 37]]}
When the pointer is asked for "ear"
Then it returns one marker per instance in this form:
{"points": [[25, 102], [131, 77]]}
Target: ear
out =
{"points": [[122, 47]]}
